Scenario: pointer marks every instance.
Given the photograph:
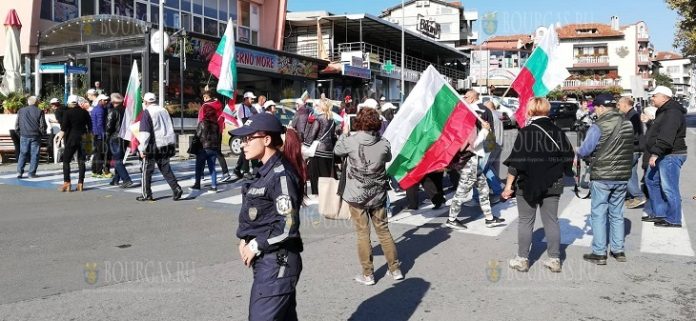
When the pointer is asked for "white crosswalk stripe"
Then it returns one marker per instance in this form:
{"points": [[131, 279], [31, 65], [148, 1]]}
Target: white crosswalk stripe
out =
{"points": [[661, 240]]}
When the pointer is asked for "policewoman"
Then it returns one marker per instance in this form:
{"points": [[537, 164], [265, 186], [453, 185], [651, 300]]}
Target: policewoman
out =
{"points": [[269, 234]]}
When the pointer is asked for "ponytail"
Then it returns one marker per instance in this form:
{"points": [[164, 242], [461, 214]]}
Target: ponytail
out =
{"points": [[292, 151]]}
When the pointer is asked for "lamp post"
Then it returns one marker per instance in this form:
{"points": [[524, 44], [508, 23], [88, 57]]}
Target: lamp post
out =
{"points": [[403, 52], [161, 53]]}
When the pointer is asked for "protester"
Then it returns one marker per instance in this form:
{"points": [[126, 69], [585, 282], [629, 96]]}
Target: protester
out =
{"points": [[269, 220], [244, 111], [31, 127], [321, 130], [76, 123], [301, 118], [491, 168], [100, 168], [156, 145], [610, 142], [117, 145], [635, 195], [58, 110], [209, 101], [208, 132], [666, 144], [366, 190], [539, 159]]}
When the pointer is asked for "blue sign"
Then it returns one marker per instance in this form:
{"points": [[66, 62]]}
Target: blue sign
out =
{"points": [[75, 70], [357, 72]]}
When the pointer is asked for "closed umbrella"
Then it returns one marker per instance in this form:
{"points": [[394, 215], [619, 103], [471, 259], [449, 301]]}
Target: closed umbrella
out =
{"points": [[12, 80]]}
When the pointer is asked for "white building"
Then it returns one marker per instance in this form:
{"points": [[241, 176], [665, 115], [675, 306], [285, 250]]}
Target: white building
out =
{"points": [[678, 68], [443, 21], [497, 62], [600, 56]]}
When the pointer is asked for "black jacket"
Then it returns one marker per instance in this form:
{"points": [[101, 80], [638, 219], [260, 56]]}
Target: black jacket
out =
{"points": [[76, 122], [667, 134], [114, 117], [31, 122], [208, 133], [634, 117]]}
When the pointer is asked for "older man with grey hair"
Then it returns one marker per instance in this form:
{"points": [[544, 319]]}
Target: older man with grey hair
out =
{"points": [[30, 126]]}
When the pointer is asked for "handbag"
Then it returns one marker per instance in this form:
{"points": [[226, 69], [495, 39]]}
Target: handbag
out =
{"points": [[195, 146], [331, 204], [309, 151], [88, 143]]}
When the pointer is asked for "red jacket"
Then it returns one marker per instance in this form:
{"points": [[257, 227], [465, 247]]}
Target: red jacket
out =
{"points": [[217, 105]]}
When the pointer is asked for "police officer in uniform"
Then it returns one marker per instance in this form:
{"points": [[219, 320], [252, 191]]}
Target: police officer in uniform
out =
{"points": [[269, 223]]}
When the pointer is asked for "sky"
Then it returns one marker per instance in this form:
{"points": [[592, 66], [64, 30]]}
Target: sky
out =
{"points": [[523, 17]]}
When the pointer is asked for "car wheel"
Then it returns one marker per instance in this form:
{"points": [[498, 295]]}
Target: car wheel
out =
{"points": [[236, 146]]}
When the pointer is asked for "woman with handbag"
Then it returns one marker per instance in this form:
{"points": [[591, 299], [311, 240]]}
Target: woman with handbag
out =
{"points": [[540, 158], [319, 144], [269, 220], [366, 190], [208, 134], [76, 123]]}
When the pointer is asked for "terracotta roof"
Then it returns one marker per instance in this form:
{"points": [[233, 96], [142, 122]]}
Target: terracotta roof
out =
{"points": [[523, 38], [667, 55], [599, 30], [511, 42]]}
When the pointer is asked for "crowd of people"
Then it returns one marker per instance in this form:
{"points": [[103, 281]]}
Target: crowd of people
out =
{"points": [[277, 162]]}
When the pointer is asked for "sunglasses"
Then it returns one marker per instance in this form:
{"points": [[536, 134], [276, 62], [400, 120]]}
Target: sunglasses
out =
{"points": [[247, 139]]}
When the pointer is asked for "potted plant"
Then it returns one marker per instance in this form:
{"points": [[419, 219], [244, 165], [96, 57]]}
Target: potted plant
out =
{"points": [[14, 102]]}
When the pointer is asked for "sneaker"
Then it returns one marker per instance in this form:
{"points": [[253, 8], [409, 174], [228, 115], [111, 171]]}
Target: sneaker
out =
{"points": [[127, 184], [619, 257], [596, 259], [396, 275], [553, 264], [145, 199], [365, 279], [95, 175], [33, 175], [177, 193], [496, 221], [107, 175], [226, 178], [635, 203], [238, 173], [455, 225], [212, 189], [19, 176], [519, 263]]}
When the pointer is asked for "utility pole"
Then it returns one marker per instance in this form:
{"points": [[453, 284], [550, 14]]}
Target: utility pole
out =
{"points": [[403, 52]]}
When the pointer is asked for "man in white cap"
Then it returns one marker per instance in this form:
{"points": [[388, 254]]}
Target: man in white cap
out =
{"points": [[157, 143], [665, 143], [57, 109], [100, 167], [270, 107], [244, 110], [92, 97]]}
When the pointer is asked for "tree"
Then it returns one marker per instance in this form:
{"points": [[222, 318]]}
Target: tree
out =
{"points": [[662, 80], [685, 37]]}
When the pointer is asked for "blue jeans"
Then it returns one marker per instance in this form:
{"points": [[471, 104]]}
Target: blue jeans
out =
{"points": [[634, 190], [28, 146], [117, 154], [491, 176], [209, 156], [607, 201], [663, 187]]}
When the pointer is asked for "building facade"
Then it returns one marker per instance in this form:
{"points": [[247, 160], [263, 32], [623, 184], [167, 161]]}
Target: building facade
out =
{"points": [[497, 62], [677, 68]]}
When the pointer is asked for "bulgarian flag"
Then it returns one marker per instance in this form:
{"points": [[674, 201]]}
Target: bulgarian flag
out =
{"points": [[429, 129], [134, 106], [223, 64], [542, 72]]}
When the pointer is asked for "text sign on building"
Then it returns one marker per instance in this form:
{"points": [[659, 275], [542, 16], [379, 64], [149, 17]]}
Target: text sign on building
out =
{"points": [[363, 73], [356, 62], [256, 60], [428, 27]]}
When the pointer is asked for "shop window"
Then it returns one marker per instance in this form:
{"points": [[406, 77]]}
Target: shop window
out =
{"points": [[197, 24], [154, 14], [186, 5], [104, 6], [141, 11], [210, 9], [186, 21], [171, 18], [224, 9], [210, 27], [46, 9], [171, 3], [87, 8], [198, 6], [65, 10], [123, 8]]}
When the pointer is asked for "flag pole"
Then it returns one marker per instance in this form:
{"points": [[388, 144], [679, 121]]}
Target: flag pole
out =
{"points": [[403, 52]]}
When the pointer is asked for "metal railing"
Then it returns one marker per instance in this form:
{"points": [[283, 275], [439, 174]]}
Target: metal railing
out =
{"points": [[643, 57], [643, 35], [384, 54], [592, 60], [592, 83]]}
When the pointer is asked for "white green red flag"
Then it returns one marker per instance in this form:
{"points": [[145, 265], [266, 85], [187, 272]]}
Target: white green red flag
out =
{"points": [[223, 64], [133, 103], [542, 72], [429, 129]]}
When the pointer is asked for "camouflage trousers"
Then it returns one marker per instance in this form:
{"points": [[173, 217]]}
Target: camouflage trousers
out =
{"points": [[471, 175]]}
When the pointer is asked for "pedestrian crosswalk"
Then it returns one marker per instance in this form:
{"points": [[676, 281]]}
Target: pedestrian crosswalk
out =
{"points": [[574, 213]]}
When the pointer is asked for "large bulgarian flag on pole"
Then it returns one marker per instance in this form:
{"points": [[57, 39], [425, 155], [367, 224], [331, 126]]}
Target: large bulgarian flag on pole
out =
{"points": [[429, 129], [542, 72], [134, 106], [223, 64]]}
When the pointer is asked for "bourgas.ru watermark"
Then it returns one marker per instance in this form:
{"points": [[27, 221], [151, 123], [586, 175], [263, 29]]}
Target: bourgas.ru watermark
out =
{"points": [[497, 271], [113, 272]]}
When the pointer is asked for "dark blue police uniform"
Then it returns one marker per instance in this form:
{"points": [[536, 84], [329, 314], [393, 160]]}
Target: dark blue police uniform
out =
{"points": [[270, 215]]}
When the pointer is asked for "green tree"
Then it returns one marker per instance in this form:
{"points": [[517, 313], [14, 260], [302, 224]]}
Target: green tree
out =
{"points": [[662, 80], [685, 37]]}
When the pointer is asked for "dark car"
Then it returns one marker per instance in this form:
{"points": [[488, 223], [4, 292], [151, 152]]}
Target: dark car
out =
{"points": [[563, 113]]}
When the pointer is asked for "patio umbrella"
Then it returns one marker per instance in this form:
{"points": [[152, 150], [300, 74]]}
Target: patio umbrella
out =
{"points": [[12, 80]]}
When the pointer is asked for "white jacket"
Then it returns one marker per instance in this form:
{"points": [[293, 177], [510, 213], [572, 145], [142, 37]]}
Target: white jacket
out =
{"points": [[162, 128]]}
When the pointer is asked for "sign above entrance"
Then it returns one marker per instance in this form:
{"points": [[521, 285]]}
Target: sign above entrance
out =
{"points": [[428, 27], [363, 73]]}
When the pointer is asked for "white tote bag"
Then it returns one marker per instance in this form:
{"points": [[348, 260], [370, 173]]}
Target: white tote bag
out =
{"points": [[309, 151]]}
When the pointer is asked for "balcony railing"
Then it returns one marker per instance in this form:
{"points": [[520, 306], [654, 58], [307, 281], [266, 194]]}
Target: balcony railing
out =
{"points": [[592, 83], [643, 35], [585, 60], [643, 58]]}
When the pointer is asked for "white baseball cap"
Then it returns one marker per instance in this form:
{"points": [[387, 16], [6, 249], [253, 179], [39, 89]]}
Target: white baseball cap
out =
{"points": [[650, 111], [371, 103], [382, 99], [150, 97], [299, 101], [72, 99], [269, 103], [387, 106], [91, 91], [249, 94], [102, 97], [662, 90], [54, 101]]}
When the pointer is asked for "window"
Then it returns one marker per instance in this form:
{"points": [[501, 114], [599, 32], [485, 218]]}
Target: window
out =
{"points": [[154, 14], [171, 18], [198, 6], [123, 8], [105, 7], [198, 24], [210, 9], [221, 28], [186, 21], [674, 70], [46, 9], [248, 30], [224, 9], [171, 3], [186, 5], [141, 11], [87, 8], [210, 27], [65, 10]]}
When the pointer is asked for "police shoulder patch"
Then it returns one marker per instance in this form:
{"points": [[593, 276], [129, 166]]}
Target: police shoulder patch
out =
{"points": [[283, 205], [253, 212]]}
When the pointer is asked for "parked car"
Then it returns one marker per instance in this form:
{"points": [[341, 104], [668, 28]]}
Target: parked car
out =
{"points": [[563, 113], [506, 110]]}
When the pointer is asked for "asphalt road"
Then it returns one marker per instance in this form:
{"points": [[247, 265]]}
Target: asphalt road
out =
{"points": [[100, 255]]}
